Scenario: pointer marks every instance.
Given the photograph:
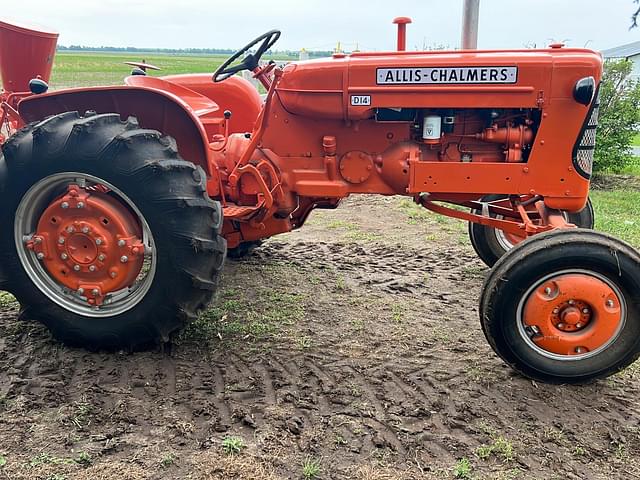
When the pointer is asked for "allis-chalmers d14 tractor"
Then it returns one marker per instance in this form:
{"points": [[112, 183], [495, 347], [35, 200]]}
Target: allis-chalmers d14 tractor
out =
{"points": [[119, 203]]}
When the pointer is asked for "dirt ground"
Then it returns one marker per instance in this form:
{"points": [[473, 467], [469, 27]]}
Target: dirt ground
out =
{"points": [[350, 349]]}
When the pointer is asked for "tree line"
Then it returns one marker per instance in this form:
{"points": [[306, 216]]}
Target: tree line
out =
{"points": [[184, 51]]}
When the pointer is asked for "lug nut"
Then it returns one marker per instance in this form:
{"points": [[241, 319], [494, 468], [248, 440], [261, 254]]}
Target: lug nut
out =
{"points": [[609, 303], [124, 259], [64, 256], [95, 292], [64, 205], [80, 205], [98, 241], [70, 229], [40, 256], [555, 310], [114, 274], [578, 325], [121, 243], [80, 291], [571, 302], [85, 229], [561, 325], [76, 268], [37, 240], [101, 257], [92, 268], [61, 240], [547, 291], [585, 310]]}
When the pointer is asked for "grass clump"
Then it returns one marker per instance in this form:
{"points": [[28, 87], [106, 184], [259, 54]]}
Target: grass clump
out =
{"points": [[310, 468], [233, 445], [462, 469], [7, 300], [168, 460], [500, 448]]}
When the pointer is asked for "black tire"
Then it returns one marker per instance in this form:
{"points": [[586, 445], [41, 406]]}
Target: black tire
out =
{"points": [[3, 183], [243, 250], [489, 248], [525, 266], [169, 192]]}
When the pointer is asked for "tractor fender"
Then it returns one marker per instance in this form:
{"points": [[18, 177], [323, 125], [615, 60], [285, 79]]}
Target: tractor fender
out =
{"points": [[235, 94], [154, 109]]}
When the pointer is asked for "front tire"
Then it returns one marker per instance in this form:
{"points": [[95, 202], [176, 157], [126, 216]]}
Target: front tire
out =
{"points": [[563, 306], [491, 243], [150, 222]]}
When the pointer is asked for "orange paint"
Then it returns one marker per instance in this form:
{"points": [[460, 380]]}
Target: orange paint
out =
{"points": [[573, 314], [89, 242], [26, 52]]}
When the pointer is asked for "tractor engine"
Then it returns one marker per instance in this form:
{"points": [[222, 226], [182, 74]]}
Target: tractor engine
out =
{"points": [[473, 135], [456, 125], [457, 135], [398, 139]]}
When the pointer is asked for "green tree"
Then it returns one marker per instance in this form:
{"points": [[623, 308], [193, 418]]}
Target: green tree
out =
{"points": [[619, 117]]}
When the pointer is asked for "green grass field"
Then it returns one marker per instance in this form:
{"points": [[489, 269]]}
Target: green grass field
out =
{"points": [[617, 213], [81, 69], [78, 69]]}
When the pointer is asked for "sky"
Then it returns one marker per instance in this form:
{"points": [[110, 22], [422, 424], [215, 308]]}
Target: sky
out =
{"points": [[320, 24]]}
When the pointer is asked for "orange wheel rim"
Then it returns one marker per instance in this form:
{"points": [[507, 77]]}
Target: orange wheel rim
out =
{"points": [[90, 243], [571, 315], [85, 244]]}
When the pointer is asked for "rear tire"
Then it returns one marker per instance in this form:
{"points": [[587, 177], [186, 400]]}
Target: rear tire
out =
{"points": [[3, 183], [491, 243], [544, 312], [168, 193]]}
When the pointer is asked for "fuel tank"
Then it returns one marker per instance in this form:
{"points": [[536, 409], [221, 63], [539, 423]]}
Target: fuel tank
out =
{"points": [[352, 87]]}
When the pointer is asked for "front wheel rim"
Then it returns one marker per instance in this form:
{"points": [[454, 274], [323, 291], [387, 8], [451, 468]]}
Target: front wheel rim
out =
{"points": [[571, 315], [36, 252]]}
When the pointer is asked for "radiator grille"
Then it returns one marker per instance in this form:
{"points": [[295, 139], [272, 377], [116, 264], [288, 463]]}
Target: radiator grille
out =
{"points": [[583, 150]]}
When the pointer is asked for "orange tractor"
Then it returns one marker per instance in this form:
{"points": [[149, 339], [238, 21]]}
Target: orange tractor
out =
{"points": [[119, 203]]}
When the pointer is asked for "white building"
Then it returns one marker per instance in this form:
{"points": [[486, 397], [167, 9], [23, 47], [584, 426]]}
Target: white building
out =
{"points": [[630, 51]]}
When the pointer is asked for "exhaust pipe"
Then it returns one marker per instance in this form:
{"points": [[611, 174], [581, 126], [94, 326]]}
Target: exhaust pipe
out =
{"points": [[470, 15], [25, 53]]}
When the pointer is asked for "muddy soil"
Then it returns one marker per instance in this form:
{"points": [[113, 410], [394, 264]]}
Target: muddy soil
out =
{"points": [[350, 349]]}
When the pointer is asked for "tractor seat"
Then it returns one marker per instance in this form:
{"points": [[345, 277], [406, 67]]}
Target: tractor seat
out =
{"points": [[201, 106]]}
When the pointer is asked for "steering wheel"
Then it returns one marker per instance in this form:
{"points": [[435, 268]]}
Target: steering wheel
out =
{"points": [[250, 61]]}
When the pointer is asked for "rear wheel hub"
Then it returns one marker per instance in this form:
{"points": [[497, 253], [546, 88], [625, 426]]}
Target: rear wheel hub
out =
{"points": [[89, 242], [85, 244]]}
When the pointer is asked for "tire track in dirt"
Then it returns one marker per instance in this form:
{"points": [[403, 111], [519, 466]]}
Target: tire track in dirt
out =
{"points": [[422, 389], [394, 269], [397, 271]]}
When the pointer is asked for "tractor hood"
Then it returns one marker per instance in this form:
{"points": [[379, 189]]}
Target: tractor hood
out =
{"points": [[352, 86]]}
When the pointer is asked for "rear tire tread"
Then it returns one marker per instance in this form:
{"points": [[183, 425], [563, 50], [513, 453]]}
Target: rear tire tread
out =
{"points": [[170, 192]]}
